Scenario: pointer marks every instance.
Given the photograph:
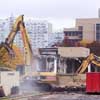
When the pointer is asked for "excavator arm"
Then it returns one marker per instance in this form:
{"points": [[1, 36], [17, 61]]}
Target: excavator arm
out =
{"points": [[91, 59], [27, 45], [14, 31], [7, 46]]}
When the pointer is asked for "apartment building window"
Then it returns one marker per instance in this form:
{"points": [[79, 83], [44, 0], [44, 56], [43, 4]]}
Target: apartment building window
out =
{"points": [[98, 32], [73, 33], [80, 28]]}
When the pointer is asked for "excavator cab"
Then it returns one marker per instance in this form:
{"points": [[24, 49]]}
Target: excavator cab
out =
{"points": [[48, 65]]}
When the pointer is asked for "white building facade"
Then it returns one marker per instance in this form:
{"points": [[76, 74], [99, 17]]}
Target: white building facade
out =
{"points": [[55, 37], [39, 33], [5, 27]]}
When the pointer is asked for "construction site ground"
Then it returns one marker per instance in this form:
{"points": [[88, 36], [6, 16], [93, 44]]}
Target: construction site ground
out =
{"points": [[66, 96], [28, 93], [58, 96]]}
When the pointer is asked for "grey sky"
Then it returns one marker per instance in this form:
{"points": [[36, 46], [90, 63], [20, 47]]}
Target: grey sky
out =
{"points": [[61, 13]]}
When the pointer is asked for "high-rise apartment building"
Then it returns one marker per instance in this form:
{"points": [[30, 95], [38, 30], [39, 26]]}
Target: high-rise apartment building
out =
{"points": [[39, 31]]}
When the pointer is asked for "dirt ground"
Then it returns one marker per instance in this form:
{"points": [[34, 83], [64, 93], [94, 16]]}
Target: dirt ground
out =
{"points": [[66, 96]]}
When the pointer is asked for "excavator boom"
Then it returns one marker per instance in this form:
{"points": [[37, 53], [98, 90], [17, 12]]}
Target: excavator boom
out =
{"points": [[14, 31], [91, 59], [7, 46]]}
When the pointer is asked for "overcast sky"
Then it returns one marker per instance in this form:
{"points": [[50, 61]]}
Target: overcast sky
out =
{"points": [[62, 13]]}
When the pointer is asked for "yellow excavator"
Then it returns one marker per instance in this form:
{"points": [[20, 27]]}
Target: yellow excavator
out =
{"points": [[10, 55], [91, 59]]}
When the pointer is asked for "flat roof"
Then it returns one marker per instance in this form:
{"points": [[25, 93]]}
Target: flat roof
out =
{"points": [[73, 52]]}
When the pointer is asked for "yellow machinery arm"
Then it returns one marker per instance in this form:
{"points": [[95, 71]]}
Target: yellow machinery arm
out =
{"points": [[90, 59], [6, 47], [27, 45], [14, 31]]}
